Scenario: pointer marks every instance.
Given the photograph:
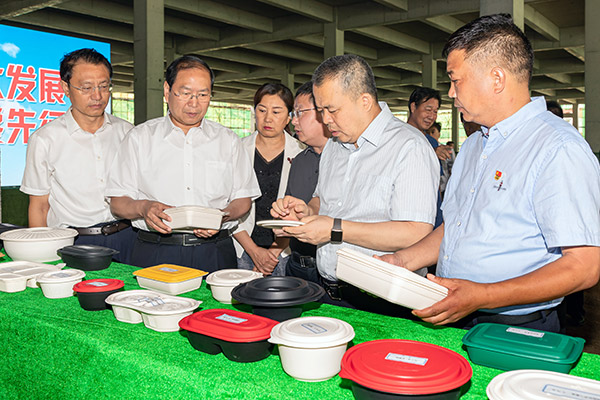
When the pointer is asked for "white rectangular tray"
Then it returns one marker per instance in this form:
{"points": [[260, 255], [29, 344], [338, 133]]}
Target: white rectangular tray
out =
{"points": [[187, 218]]}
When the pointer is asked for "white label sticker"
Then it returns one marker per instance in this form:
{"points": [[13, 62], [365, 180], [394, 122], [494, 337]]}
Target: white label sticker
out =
{"points": [[231, 318], [525, 332], [152, 301], [314, 328], [97, 284], [167, 269], [61, 275], [406, 359], [569, 393]]}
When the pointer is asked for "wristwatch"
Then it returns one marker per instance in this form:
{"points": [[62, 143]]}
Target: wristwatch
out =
{"points": [[336, 231]]}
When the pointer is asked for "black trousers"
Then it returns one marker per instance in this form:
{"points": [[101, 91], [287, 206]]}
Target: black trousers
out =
{"points": [[122, 241]]}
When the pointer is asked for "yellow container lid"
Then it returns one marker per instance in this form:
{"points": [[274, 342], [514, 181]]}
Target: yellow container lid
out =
{"points": [[169, 273]]}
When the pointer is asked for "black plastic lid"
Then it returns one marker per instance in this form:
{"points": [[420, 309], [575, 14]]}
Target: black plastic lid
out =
{"points": [[86, 251], [277, 291]]}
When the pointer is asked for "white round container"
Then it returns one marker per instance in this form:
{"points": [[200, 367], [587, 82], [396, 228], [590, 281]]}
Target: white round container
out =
{"points": [[223, 281], [37, 244], [311, 348], [59, 284], [532, 384]]}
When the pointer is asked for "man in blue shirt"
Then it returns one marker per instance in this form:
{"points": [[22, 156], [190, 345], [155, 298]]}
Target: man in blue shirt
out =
{"points": [[521, 223]]}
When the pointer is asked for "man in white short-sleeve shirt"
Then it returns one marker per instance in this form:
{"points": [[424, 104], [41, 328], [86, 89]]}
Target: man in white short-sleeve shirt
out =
{"points": [[177, 160], [69, 158], [378, 178]]}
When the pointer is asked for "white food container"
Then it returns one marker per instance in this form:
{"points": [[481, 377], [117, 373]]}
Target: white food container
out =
{"points": [[223, 281], [37, 244], [392, 283], [15, 276], [160, 312], [532, 384], [170, 278], [59, 284], [311, 348], [185, 219]]}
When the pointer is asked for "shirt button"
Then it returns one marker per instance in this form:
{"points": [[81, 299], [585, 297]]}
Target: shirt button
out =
{"points": [[484, 157], [445, 257], [101, 180], [472, 190], [188, 188], [339, 203], [458, 223], [99, 158]]}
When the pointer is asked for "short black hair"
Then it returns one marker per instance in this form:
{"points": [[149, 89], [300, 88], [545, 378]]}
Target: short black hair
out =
{"points": [[554, 107], [278, 89], [437, 125], [353, 72], [90, 56], [494, 37], [305, 89], [185, 62], [422, 94]]}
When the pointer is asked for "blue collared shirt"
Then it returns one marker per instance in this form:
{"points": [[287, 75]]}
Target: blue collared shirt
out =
{"points": [[518, 193]]}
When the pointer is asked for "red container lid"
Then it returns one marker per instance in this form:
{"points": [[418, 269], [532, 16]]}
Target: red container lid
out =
{"points": [[230, 325], [98, 285], [405, 367]]}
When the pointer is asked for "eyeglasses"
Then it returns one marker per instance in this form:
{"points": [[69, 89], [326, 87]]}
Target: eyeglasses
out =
{"points": [[87, 90], [187, 96], [298, 113]]}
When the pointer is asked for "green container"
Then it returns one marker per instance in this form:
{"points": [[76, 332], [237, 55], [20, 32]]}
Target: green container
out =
{"points": [[509, 347]]}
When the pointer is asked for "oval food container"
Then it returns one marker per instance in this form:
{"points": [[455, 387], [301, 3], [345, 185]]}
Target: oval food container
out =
{"points": [[404, 369], [87, 257], [507, 347], [311, 348], [37, 244], [15, 276], [59, 284], [187, 218], [277, 297], [223, 281], [541, 385], [169, 278], [242, 337], [93, 293], [160, 312]]}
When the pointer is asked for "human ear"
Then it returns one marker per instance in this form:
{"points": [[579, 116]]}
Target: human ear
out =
{"points": [[65, 88], [167, 89], [367, 101], [499, 79]]}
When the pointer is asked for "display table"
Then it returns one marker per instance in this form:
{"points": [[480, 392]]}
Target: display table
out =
{"points": [[53, 349]]}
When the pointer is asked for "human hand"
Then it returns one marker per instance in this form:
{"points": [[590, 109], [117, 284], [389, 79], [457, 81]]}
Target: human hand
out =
{"points": [[394, 258], [264, 260], [153, 213], [443, 152], [464, 297], [316, 229], [205, 233], [289, 208]]}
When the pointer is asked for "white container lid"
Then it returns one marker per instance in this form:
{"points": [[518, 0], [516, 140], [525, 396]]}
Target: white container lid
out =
{"points": [[193, 210], [232, 277], [530, 384], [65, 275], [312, 332], [38, 234], [153, 303]]}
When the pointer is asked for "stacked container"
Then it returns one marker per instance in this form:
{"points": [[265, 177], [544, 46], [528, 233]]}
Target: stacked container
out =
{"points": [[15, 276], [185, 219]]}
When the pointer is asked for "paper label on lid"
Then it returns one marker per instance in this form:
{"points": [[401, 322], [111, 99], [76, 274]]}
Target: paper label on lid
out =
{"points": [[569, 393], [153, 301], [406, 359], [167, 269], [61, 275], [314, 328], [231, 318], [525, 332], [97, 284]]}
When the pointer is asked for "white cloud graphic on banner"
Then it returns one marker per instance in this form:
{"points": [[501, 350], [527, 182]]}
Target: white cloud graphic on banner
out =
{"points": [[10, 48]]}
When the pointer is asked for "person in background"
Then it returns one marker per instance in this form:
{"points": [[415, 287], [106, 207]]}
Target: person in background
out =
{"points": [[435, 133], [469, 126], [69, 158], [304, 174], [554, 107], [515, 238], [182, 159], [271, 150]]}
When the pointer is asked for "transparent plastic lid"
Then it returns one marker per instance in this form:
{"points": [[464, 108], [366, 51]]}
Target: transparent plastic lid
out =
{"points": [[153, 303]]}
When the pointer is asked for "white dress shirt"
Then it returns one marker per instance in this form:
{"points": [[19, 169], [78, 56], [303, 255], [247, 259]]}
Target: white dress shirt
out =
{"points": [[71, 166], [393, 175], [208, 167]]}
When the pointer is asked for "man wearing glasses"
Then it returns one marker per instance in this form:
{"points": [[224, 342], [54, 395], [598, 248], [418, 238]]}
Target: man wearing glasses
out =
{"points": [[182, 159], [69, 158]]}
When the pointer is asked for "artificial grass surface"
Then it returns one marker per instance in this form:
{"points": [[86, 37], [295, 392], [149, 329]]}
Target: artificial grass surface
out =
{"points": [[53, 349]]}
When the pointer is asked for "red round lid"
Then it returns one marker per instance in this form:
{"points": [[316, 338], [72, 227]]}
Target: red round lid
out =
{"points": [[98, 285], [229, 325], [405, 367]]}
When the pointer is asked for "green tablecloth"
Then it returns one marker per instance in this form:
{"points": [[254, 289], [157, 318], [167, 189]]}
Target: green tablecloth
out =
{"points": [[53, 349]]}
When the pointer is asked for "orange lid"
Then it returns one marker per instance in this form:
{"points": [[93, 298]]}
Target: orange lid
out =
{"points": [[169, 273]]}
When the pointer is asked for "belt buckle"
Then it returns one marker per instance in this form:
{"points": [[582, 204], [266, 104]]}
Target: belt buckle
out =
{"points": [[190, 240], [110, 228], [333, 290]]}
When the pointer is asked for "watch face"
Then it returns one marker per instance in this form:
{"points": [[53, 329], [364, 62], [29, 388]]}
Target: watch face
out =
{"points": [[336, 237]]}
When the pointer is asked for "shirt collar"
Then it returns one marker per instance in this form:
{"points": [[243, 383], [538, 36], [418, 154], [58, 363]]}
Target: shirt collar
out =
{"points": [[73, 126], [374, 132], [171, 129], [507, 126]]}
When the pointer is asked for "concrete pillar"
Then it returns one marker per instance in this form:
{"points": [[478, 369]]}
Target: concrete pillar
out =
{"points": [[334, 39], [287, 79], [429, 75], [576, 115], [455, 129], [148, 56], [516, 8], [592, 75]]}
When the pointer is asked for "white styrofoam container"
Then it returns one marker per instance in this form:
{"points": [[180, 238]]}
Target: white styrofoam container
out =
{"points": [[223, 281], [159, 312], [15, 276], [59, 284], [532, 384], [173, 288], [311, 348], [392, 283], [37, 244], [185, 219]]}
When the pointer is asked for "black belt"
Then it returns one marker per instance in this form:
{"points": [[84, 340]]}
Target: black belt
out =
{"points": [[181, 239], [333, 288], [298, 258], [510, 319], [106, 229]]}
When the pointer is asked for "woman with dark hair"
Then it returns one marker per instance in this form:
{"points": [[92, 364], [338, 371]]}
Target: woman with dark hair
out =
{"points": [[271, 149]]}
